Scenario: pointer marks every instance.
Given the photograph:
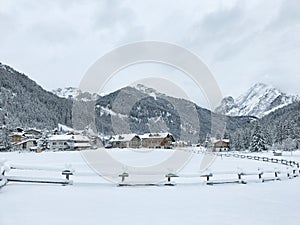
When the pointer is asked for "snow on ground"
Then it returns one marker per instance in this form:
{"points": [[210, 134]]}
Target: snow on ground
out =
{"points": [[93, 201]]}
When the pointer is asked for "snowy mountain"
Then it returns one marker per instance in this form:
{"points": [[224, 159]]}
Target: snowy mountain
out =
{"points": [[258, 101], [148, 91], [23, 103], [75, 94], [142, 110]]}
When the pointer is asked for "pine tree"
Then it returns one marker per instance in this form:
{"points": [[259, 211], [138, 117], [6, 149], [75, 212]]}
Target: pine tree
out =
{"points": [[4, 132], [258, 141], [267, 133], [236, 141], [246, 138], [279, 132]]}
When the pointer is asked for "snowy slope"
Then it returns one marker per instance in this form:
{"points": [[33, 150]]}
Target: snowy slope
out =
{"points": [[74, 93], [69, 92], [93, 201], [27, 104], [77, 94], [259, 100], [148, 91]]}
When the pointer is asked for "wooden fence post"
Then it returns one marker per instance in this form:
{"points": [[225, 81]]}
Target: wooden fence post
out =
{"points": [[67, 173], [123, 175]]}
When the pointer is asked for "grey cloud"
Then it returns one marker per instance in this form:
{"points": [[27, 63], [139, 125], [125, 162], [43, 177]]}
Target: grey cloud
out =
{"points": [[222, 32], [118, 20], [53, 32], [55, 41], [288, 15], [231, 49], [223, 20]]}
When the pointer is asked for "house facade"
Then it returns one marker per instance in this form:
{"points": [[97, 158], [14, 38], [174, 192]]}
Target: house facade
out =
{"points": [[68, 142], [33, 133], [17, 137], [125, 141], [29, 144], [221, 145], [157, 140]]}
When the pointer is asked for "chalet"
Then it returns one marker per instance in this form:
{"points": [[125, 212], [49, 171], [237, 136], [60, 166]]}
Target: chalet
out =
{"points": [[125, 141], [68, 142], [33, 133], [221, 145], [28, 144], [157, 140], [17, 137]]}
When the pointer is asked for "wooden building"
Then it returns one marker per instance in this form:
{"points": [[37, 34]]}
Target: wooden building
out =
{"points": [[17, 137], [125, 141], [157, 140], [28, 144], [33, 133], [221, 145]]}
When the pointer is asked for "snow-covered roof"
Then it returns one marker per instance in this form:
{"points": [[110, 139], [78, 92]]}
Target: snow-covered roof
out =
{"points": [[223, 140], [65, 137], [32, 130], [81, 138], [123, 137], [17, 133], [25, 141], [61, 137], [82, 145], [154, 135]]}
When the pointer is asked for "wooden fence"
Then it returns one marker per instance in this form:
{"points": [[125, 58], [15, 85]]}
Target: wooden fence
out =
{"points": [[209, 178]]}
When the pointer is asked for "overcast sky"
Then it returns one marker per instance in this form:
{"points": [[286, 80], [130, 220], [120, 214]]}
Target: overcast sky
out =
{"points": [[242, 42]]}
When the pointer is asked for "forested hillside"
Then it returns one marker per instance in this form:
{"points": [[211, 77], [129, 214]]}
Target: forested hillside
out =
{"points": [[23, 103], [278, 130]]}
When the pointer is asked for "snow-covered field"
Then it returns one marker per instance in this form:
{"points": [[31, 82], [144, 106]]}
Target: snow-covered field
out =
{"points": [[91, 200]]}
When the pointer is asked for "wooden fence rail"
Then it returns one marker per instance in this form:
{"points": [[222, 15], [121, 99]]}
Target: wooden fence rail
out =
{"points": [[210, 178]]}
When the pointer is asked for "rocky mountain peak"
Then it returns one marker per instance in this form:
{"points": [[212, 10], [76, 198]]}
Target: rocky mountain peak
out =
{"points": [[258, 101]]}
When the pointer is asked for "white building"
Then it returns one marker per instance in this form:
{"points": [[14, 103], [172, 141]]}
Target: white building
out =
{"points": [[68, 142]]}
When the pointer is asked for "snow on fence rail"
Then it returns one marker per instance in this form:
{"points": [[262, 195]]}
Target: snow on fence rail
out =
{"points": [[209, 178], [38, 180], [42, 180], [291, 172]]}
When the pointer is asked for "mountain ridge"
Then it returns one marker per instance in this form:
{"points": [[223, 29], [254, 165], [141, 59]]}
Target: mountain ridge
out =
{"points": [[24, 103], [259, 100], [75, 94]]}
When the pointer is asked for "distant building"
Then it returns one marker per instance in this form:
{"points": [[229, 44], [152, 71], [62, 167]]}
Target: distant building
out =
{"points": [[68, 142], [21, 135], [180, 144], [125, 141], [157, 140], [17, 137], [221, 145], [28, 144], [33, 133]]}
